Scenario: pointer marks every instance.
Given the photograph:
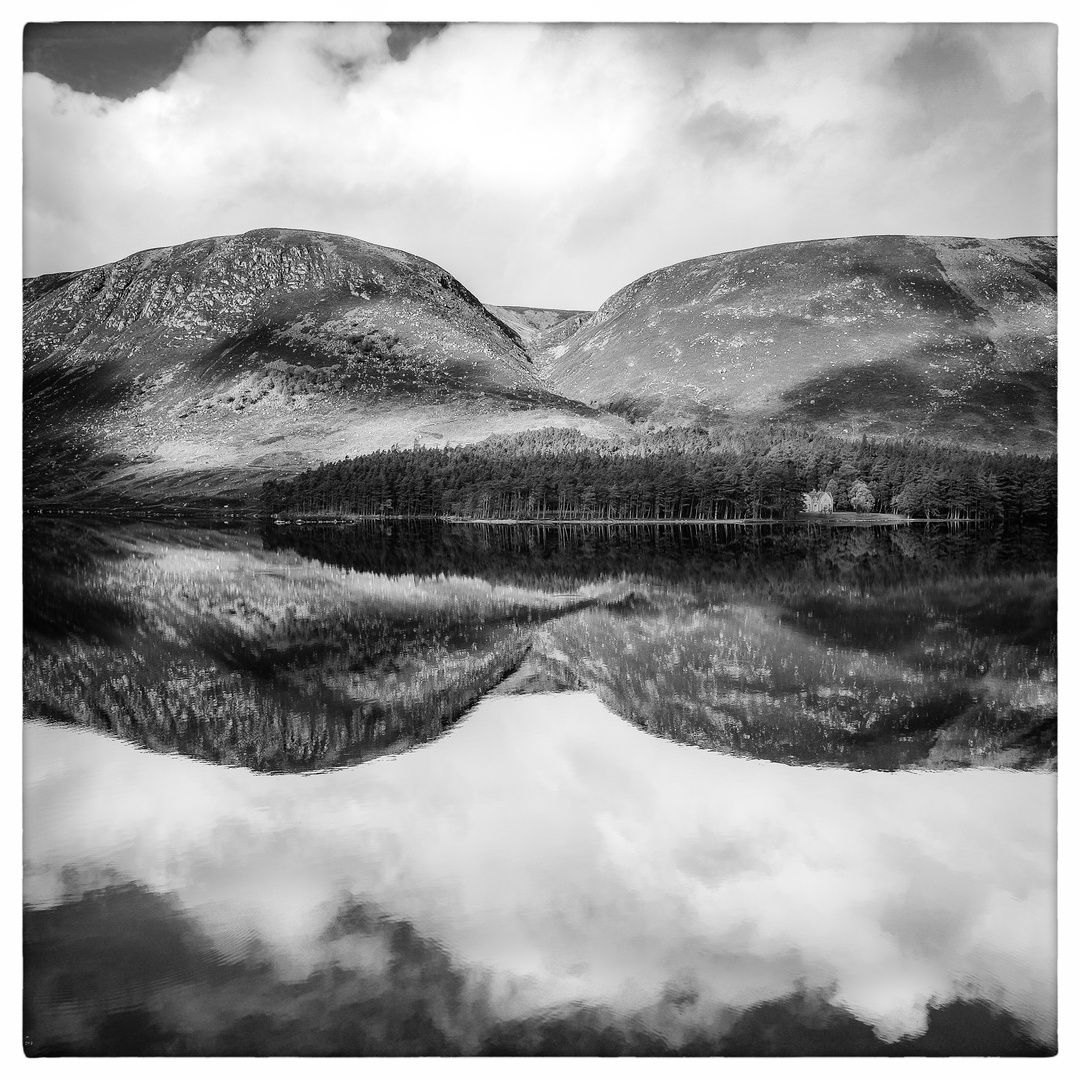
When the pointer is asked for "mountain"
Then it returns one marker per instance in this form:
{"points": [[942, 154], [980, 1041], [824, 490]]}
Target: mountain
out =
{"points": [[192, 371], [947, 337], [187, 375]]}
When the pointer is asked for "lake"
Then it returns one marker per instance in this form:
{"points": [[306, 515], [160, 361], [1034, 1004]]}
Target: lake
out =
{"points": [[418, 789]]}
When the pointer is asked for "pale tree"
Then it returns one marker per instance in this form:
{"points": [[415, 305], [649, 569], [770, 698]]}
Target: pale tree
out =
{"points": [[862, 498]]}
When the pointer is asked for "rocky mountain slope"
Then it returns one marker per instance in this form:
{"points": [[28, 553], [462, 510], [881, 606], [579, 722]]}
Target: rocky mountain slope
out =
{"points": [[946, 337], [182, 372]]}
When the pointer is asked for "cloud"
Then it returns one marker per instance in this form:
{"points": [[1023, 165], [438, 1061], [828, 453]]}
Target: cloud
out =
{"points": [[562, 857], [553, 164], [718, 130]]}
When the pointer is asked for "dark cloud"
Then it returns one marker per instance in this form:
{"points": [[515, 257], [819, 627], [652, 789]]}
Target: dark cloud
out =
{"points": [[405, 36], [941, 60], [111, 59], [945, 79]]}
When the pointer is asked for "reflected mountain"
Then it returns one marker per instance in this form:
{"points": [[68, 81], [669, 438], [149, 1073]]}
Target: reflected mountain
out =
{"points": [[536, 674], [743, 679], [869, 648], [199, 642], [301, 649]]}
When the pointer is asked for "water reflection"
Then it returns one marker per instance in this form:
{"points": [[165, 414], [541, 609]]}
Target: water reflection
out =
{"points": [[544, 862], [200, 641], [870, 649], [541, 873]]}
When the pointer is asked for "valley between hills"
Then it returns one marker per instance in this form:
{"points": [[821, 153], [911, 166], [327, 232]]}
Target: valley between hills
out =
{"points": [[186, 377]]}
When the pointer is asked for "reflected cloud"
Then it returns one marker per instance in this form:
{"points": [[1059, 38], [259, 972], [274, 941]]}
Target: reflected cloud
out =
{"points": [[560, 859]]}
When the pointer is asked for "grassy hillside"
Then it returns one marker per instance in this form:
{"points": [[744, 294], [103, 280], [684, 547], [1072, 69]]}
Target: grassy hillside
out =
{"points": [[948, 337]]}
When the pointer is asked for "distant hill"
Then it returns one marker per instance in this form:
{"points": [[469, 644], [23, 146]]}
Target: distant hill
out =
{"points": [[951, 338], [193, 371], [541, 330]]}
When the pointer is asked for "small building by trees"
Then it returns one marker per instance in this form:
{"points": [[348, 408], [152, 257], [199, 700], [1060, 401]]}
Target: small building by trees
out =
{"points": [[817, 502]]}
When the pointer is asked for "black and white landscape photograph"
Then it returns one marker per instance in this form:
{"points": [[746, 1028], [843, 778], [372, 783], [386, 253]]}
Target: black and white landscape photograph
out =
{"points": [[539, 539]]}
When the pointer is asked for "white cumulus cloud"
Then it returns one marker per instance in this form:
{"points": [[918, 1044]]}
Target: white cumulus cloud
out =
{"points": [[551, 165]]}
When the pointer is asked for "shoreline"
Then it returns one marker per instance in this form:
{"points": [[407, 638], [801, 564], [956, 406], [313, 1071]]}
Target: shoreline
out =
{"points": [[840, 519]]}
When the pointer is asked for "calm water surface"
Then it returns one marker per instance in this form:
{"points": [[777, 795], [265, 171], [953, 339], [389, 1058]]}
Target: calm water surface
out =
{"points": [[507, 791]]}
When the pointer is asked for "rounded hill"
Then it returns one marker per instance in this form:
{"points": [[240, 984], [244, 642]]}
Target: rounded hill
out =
{"points": [[269, 350], [945, 337]]}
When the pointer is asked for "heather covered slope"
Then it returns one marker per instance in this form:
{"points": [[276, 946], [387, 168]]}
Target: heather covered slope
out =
{"points": [[193, 370], [947, 337]]}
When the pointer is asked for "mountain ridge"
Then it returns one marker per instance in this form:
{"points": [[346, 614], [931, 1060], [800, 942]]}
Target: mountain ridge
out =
{"points": [[198, 369]]}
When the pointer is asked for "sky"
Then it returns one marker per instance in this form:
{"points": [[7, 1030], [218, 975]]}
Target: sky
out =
{"points": [[543, 165]]}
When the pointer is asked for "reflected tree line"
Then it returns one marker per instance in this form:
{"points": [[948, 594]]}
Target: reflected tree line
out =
{"points": [[697, 474], [565, 557]]}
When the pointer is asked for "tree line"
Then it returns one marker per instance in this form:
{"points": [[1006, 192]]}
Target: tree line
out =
{"points": [[678, 474]]}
